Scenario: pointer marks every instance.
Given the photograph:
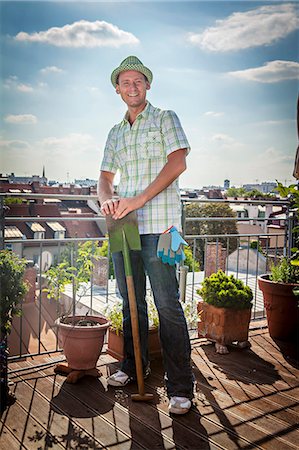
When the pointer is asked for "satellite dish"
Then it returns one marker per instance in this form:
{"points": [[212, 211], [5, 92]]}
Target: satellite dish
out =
{"points": [[45, 261]]}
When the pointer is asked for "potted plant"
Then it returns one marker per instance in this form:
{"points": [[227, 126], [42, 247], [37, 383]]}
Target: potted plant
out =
{"points": [[115, 333], [280, 293], [225, 311], [81, 337], [281, 287], [13, 289]]}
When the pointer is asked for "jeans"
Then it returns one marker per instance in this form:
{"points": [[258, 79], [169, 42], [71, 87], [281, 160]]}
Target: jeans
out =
{"points": [[174, 337]]}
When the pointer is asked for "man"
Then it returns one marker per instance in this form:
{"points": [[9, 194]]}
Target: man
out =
{"points": [[149, 148]]}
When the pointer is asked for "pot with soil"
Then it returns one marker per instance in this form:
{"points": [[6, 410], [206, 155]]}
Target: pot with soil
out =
{"points": [[82, 338]]}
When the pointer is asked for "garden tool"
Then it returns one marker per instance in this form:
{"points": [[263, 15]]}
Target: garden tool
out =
{"points": [[123, 237], [170, 247]]}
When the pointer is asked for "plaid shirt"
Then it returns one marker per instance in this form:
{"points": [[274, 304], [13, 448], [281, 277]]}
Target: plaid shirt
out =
{"points": [[140, 152]]}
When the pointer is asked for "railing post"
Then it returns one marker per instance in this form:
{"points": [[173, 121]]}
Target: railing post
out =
{"points": [[183, 282]]}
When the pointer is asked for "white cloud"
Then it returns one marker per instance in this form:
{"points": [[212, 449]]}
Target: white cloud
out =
{"points": [[12, 83], [21, 119], [51, 69], [223, 138], [81, 34], [69, 144], [24, 87], [261, 26], [14, 145], [213, 114], [271, 72]]}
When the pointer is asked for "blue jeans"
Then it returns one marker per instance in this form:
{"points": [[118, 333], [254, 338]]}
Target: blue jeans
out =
{"points": [[173, 331]]}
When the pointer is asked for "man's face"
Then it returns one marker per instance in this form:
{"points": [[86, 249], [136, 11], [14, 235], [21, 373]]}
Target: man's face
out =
{"points": [[132, 87]]}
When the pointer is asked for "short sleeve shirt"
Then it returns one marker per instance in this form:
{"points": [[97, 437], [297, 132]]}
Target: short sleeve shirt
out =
{"points": [[140, 152]]}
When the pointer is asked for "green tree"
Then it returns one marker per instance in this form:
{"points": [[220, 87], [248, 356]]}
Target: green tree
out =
{"points": [[206, 227], [236, 192]]}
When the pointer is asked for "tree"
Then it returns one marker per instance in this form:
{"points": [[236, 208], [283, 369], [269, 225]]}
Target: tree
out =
{"points": [[206, 227]]}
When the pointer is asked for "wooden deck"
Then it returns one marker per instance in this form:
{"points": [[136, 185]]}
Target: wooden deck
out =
{"points": [[246, 399]]}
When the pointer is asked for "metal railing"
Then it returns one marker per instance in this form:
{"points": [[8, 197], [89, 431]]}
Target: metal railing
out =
{"points": [[230, 252]]}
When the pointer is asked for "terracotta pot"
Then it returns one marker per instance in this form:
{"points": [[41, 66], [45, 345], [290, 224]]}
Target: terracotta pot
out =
{"points": [[281, 308], [223, 325], [82, 345], [116, 344]]}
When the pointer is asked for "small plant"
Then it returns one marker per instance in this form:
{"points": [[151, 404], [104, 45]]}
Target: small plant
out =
{"points": [[225, 291], [115, 315], [12, 288], [255, 245], [191, 262], [285, 272], [75, 268]]}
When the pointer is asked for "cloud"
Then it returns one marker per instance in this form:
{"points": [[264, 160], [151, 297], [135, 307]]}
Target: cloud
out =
{"points": [[12, 83], [69, 144], [271, 72], [14, 145], [261, 26], [81, 34], [213, 114], [24, 119], [51, 69]]}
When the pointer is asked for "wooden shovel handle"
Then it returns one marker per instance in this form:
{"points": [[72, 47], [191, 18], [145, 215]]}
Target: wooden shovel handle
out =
{"points": [[135, 333]]}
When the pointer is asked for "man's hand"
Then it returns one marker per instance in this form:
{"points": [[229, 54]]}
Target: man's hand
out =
{"points": [[126, 205], [109, 206]]}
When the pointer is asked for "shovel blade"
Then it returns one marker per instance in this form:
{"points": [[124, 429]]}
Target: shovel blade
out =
{"points": [[127, 225]]}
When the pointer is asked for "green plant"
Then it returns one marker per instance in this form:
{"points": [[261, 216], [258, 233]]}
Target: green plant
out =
{"points": [[191, 262], [115, 315], [75, 268], [256, 245], [12, 288], [285, 272], [226, 291]]}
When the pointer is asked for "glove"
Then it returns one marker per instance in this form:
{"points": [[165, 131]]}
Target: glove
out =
{"points": [[170, 247]]}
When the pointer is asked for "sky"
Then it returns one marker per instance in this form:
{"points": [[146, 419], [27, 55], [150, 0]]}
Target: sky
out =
{"points": [[228, 69]]}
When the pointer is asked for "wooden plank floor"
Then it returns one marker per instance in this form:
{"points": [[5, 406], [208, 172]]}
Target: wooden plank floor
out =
{"points": [[246, 399]]}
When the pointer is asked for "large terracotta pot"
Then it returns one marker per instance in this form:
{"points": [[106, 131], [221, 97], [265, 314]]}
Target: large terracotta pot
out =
{"points": [[82, 345], [116, 344], [223, 325], [281, 308]]}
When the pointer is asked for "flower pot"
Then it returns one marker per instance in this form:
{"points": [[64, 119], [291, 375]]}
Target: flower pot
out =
{"points": [[116, 344], [281, 306], [224, 325], [82, 345]]}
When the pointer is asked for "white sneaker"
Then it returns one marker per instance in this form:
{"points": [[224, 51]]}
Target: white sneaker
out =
{"points": [[179, 405], [119, 379]]}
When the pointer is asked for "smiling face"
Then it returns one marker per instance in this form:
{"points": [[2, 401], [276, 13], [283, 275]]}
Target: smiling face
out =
{"points": [[132, 87]]}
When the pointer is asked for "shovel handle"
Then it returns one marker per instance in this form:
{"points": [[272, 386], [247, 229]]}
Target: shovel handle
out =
{"points": [[133, 314], [135, 334]]}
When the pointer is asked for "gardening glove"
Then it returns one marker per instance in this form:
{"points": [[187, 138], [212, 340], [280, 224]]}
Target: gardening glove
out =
{"points": [[170, 248]]}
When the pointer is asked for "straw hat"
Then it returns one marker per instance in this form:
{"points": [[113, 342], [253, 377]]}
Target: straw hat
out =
{"points": [[131, 63]]}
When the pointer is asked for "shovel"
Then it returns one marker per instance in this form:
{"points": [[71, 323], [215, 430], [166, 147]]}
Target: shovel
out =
{"points": [[123, 237]]}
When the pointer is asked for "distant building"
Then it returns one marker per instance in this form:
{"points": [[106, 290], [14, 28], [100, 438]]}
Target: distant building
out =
{"points": [[265, 187], [87, 182], [226, 184], [24, 180]]}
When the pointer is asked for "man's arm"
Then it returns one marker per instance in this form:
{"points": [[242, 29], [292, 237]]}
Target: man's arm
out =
{"points": [[176, 164], [105, 193]]}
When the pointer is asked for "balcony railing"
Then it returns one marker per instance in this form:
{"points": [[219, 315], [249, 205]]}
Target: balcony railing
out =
{"points": [[229, 252]]}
